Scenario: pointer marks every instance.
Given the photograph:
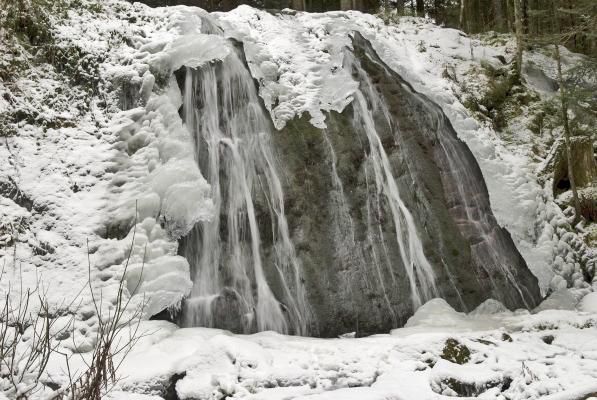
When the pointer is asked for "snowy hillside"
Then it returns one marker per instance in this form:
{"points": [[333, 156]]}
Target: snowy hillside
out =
{"points": [[99, 181]]}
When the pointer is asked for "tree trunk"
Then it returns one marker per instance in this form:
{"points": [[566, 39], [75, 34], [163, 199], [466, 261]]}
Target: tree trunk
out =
{"points": [[498, 15], [519, 37], [534, 20], [472, 18], [420, 8], [400, 7], [564, 109], [461, 19], [436, 12], [525, 16], [299, 5], [508, 12]]}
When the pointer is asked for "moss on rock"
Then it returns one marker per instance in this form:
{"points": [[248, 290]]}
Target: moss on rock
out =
{"points": [[456, 352]]}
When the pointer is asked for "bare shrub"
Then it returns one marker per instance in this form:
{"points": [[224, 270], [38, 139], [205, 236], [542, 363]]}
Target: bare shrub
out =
{"points": [[27, 340], [112, 346], [30, 336]]}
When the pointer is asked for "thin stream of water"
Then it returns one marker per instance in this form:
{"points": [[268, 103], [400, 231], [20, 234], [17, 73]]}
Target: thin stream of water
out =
{"points": [[418, 269]]}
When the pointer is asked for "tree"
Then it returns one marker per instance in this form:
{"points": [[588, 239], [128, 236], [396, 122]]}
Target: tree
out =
{"points": [[461, 17], [498, 15], [557, 38], [300, 5], [420, 8], [519, 37]]}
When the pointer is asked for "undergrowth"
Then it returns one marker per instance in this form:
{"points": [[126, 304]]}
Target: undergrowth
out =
{"points": [[32, 50], [503, 98]]}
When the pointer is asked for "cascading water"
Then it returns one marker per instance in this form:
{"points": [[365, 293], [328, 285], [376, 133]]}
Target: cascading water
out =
{"points": [[418, 269], [463, 186], [368, 218], [473, 213], [232, 135]]}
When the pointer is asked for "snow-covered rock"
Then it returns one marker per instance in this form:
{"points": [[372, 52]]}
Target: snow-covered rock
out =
{"points": [[589, 303]]}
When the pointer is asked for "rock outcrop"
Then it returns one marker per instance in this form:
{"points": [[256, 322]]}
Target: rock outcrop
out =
{"points": [[348, 234]]}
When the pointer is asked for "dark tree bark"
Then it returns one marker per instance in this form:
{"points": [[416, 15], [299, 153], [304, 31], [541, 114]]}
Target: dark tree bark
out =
{"points": [[564, 110], [461, 18], [525, 16], [498, 12], [400, 7], [420, 8], [508, 15], [519, 37]]}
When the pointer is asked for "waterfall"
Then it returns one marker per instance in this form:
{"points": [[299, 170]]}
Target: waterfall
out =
{"points": [[348, 248], [498, 265], [473, 213], [418, 269], [232, 288], [344, 229]]}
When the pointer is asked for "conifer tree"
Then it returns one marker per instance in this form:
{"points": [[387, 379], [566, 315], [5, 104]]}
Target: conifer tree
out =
{"points": [[519, 37]]}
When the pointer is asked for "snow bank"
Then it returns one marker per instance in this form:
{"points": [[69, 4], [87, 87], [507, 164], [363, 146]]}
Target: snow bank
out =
{"points": [[446, 377], [296, 58], [191, 51], [119, 180], [521, 357], [589, 303]]}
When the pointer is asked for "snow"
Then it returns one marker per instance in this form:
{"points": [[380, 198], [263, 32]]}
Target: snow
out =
{"points": [[444, 370], [589, 303], [112, 190], [119, 185], [563, 299], [191, 51], [296, 59], [405, 365]]}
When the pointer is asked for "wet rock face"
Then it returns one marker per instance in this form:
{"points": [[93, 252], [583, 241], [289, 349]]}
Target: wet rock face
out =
{"points": [[354, 275], [342, 223]]}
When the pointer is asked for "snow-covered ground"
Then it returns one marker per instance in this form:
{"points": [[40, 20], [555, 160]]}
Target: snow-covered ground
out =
{"points": [[75, 188], [499, 355]]}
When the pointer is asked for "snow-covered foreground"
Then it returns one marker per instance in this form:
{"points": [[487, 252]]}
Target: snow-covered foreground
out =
{"points": [[489, 354]]}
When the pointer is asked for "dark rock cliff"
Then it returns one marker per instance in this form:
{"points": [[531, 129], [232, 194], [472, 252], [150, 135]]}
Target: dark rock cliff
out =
{"points": [[342, 224]]}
